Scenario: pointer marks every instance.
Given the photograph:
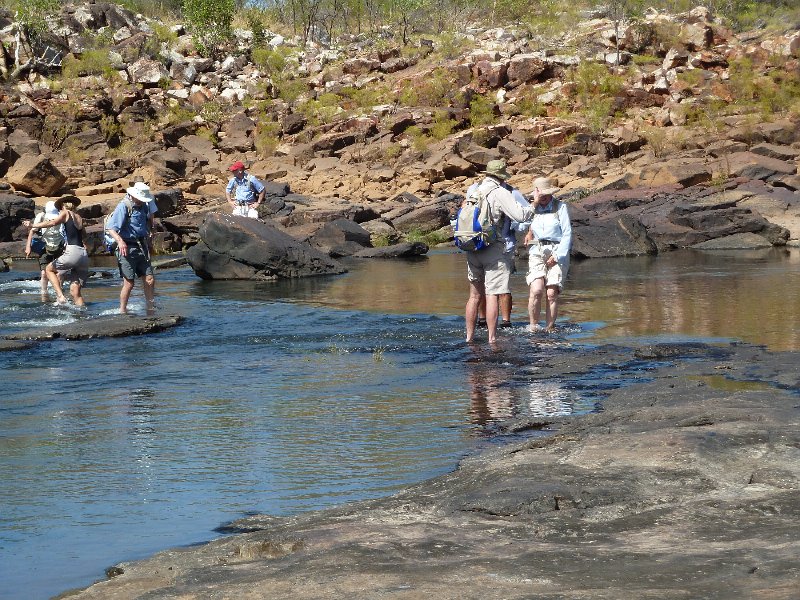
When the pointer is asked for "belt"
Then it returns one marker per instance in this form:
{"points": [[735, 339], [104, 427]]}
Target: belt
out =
{"points": [[549, 242]]}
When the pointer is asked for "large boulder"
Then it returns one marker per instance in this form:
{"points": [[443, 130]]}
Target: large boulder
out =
{"points": [[36, 175], [240, 248], [620, 235]]}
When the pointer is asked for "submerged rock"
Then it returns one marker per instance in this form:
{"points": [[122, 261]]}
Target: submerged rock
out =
{"points": [[100, 327]]}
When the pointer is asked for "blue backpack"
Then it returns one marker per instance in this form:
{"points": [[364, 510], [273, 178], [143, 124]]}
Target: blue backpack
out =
{"points": [[475, 227]]}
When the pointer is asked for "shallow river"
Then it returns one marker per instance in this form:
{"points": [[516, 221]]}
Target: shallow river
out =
{"points": [[285, 397]]}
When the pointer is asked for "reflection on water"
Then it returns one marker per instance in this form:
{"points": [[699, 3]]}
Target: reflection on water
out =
{"points": [[749, 295]]}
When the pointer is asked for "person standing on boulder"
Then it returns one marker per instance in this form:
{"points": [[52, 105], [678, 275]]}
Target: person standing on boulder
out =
{"points": [[549, 240], [244, 192], [489, 269], [130, 227]]}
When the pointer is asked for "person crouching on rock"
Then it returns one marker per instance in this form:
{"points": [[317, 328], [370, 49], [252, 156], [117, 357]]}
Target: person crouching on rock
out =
{"points": [[244, 192], [130, 227], [73, 264]]}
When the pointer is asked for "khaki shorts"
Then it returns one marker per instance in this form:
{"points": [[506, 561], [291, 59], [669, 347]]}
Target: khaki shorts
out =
{"points": [[555, 275], [73, 265], [491, 266]]}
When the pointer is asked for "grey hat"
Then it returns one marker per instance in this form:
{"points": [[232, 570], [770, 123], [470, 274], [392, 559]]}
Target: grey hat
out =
{"points": [[496, 168]]}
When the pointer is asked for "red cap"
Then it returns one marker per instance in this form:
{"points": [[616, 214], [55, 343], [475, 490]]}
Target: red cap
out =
{"points": [[236, 166]]}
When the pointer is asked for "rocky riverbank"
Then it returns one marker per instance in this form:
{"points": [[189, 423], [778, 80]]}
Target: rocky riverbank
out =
{"points": [[665, 131], [684, 486]]}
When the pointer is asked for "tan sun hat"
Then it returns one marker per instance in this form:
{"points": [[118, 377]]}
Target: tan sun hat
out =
{"points": [[496, 168], [545, 185]]}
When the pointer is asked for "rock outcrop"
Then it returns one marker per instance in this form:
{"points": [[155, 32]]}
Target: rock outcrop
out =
{"points": [[240, 248]]}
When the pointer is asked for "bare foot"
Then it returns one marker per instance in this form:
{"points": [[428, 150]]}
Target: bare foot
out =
{"points": [[534, 328]]}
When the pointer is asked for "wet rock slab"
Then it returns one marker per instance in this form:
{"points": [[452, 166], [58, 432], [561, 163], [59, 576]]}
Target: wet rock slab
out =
{"points": [[684, 486], [99, 327]]}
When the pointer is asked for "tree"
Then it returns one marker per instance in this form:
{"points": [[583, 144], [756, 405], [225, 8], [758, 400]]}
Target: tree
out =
{"points": [[209, 22], [31, 24], [620, 11]]}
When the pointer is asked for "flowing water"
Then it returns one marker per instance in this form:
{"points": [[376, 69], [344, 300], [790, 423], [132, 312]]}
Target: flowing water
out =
{"points": [[285, 397]]}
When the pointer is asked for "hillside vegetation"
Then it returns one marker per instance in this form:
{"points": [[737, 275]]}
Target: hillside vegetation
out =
{"points": [[364, 102]]}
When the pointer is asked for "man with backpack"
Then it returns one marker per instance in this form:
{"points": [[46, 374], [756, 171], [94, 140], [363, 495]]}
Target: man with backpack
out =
{"points": [[488, 207], [509, 235], [244, 192], [129, 226]]}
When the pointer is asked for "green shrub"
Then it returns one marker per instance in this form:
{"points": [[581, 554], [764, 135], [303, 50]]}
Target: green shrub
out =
{"points": [[481, 111], [451, 45], [291, 90], [209, 22], [322, 110], [213, 112], [179, 113], [442, 127], [381, 241], [646, 59], [598, 114], [419, 139], [271, 61], [431, 238], [593, 79], [392, 151], [657, 140], [529, 106], [110, 128], [267, 138], [91, 62], [438, 89]]}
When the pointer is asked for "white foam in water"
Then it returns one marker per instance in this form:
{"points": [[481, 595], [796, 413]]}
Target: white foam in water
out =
{"points": [[50, 322], [26, 286]]}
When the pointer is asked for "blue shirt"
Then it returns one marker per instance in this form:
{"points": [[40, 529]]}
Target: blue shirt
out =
{"points": [[134, 228], [244, 190]]}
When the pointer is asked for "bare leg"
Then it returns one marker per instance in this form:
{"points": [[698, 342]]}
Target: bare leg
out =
{"points": [[471, 310], [75, 290], [535, 302], [125, 294], [491, 316], [505, 307], [482, 308], [150, 291], [52, 277], [552, 306], [43, 282]]}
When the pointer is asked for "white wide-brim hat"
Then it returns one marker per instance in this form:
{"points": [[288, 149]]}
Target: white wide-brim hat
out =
{"points": [[140, 191]]}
